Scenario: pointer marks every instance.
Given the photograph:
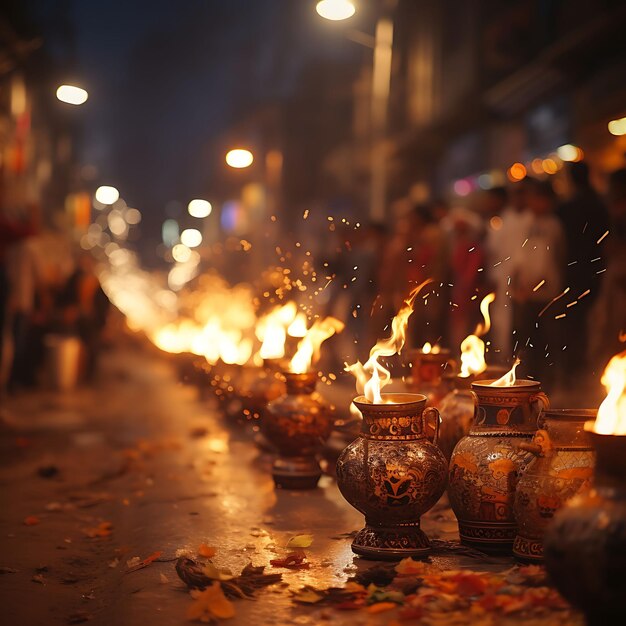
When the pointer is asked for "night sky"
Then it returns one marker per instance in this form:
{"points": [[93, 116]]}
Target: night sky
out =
{"points": [[167, 80]]}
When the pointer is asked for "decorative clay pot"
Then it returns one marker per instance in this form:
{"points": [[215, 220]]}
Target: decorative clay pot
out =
{"points": [[487, 463], [562, 468], [297, 424], [585, 546], [392, 474]]}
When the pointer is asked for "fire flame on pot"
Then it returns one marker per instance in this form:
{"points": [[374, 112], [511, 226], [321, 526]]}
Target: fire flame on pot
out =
{"points": [[508, 380], [308, 352], [611, 419], [371, 376], [473, 347], [271, 330], [297, 328], [429, 349]]}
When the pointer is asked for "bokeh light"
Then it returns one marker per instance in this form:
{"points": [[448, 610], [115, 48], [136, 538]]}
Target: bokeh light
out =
{"points": [[199, 208], [239, 158], [335, 10], [517, 172], [70, 94], [191, 237], [107, 194]]}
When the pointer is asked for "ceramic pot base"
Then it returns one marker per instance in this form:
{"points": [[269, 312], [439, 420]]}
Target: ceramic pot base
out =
{"points": [[391, 543], [492, 538], [528, 550], [296, 472]]}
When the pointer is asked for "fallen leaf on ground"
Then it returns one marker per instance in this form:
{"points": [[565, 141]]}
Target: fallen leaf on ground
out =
{"points": [[300, 541], [136, 563], [31, 520], [410, 567], [206, 551], [38, 578], [8, 570], [251, 579], [209, 604], [294, 560], [114, 563], [103, 529], [307, 595], [380, 607]]}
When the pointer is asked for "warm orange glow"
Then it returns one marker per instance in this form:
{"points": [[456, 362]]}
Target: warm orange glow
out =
{"points": [[308, 352], [611, 419], [472, 347], [297, 328], [508, 380], [516, 172], [371, 376], [550, 166], [429, 349], [71, 94], [239, 158]]}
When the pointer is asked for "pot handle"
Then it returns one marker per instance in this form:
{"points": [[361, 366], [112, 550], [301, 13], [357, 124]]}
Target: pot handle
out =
{"points": [[543, 399], [475, 399], [431, 410], [533, 448]]}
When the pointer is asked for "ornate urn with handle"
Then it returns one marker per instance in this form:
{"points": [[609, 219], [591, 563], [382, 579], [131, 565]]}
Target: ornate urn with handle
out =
{"points": [[297, 424], [487, 463], [393, 474], [562, 468]]}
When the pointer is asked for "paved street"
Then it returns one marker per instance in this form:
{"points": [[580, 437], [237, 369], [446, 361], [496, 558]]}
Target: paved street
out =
{"points": [[147, 463]]}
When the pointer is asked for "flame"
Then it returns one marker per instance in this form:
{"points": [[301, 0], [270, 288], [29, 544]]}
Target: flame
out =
{"points": [[428, 349], [308, 351], [508, 380], [271, 330], [371, 376], [472, 347], [297, 328], [611, 419]]}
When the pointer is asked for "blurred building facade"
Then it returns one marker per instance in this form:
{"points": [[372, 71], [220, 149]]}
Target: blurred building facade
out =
{"points": [[37, 137]]}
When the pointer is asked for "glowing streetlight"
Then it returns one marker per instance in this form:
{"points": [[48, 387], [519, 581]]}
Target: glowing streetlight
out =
{"points": [[107, 195], [199, 208], [239, 158], [70, 94], [191, 237], [335, 10]]}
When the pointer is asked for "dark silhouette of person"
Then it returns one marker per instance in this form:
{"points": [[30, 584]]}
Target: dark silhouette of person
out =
{"points": [[585, 220]]}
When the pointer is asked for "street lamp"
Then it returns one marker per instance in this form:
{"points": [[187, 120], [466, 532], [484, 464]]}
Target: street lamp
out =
{"points": [[335, 10], [381, 85], [70, 94], [239, 158]]}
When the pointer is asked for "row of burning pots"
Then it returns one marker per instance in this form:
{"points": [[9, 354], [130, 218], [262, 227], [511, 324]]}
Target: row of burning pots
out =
{"points": [[511, 478]]}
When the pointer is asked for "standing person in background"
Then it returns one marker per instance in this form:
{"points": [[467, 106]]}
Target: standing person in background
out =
{"points": [[607, 319], [428, 258], [538, 278], [84, 308], [585, 220], [507, 228], [467, 259]]}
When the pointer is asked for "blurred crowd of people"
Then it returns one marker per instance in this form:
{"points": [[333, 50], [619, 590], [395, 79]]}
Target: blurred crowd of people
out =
{"points": [[49, 295], [556, 263]]}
